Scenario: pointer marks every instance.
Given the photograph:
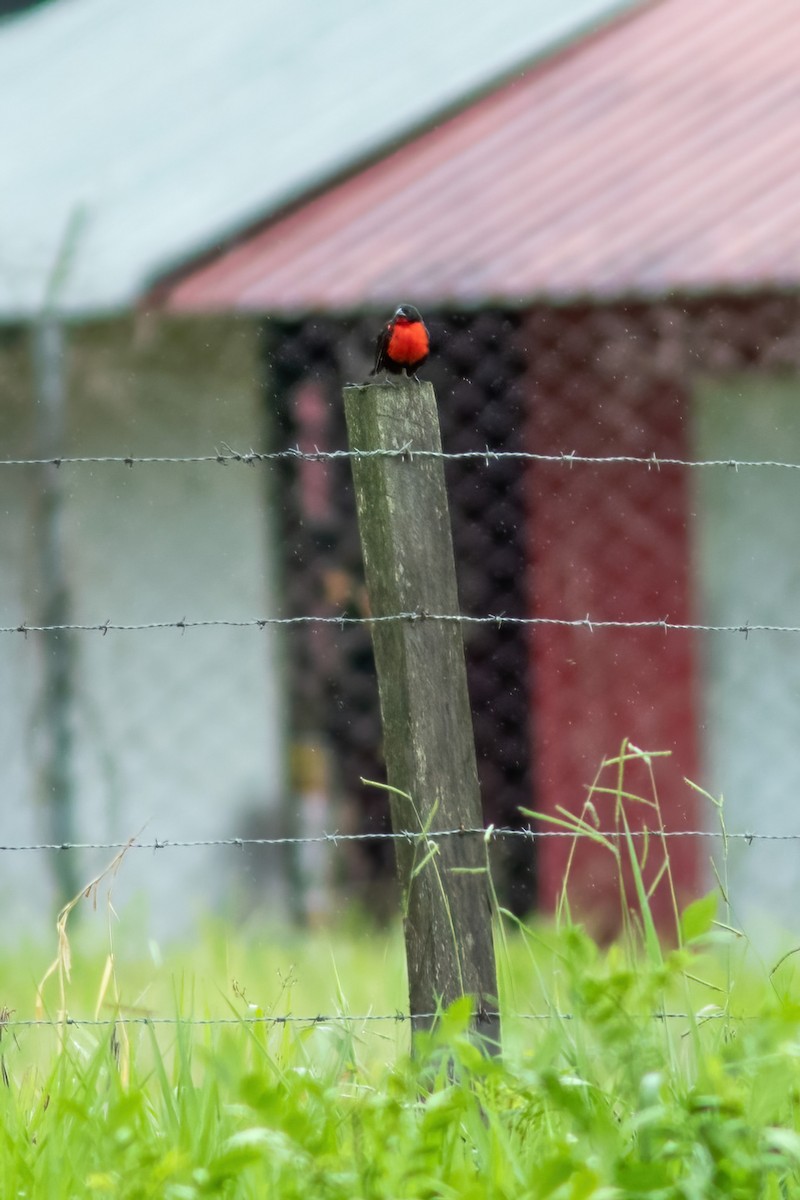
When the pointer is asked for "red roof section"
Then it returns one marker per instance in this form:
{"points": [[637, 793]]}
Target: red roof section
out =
{"points": [[660, 154]]}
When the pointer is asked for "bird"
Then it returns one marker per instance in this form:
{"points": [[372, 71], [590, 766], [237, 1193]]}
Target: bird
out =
{"points": [[403, 344]]}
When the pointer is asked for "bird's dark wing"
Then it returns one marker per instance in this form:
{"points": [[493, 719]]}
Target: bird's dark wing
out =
{"points": [[381, 344]]}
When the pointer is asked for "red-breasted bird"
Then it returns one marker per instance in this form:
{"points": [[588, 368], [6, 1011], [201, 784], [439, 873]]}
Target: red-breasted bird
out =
{"points": [[403, 344]]}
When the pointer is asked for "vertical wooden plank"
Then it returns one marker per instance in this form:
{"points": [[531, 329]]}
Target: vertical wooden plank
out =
{"points": [[428, 740]]}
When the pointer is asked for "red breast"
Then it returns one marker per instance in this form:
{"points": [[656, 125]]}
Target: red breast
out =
{"points": [[408, 341]]}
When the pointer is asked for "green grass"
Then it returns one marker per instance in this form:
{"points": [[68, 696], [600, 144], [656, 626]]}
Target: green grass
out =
{"points": [[610, 1102], [649, 1069]]}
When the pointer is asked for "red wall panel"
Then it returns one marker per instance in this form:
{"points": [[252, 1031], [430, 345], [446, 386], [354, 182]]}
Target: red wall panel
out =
{"points": [[611, 542]]}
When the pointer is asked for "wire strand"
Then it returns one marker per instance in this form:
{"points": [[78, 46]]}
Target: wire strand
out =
{"points": [[498, 619], [228, 456], [489, 834], [10, 1024]]}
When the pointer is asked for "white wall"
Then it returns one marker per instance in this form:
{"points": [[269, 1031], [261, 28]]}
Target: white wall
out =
{"points": [[748, 564], [176, 732]]}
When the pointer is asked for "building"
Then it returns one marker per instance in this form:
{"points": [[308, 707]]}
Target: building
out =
{"points": [[143, 136], [608, 243]]}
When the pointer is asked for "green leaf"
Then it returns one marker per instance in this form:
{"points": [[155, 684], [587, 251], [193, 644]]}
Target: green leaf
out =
{"points": [[457, 1016], [785, 1141], [698, 917]]}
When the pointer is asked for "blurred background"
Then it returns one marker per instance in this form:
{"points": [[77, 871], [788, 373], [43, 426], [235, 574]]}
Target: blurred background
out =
{"points": [[205, 216]]}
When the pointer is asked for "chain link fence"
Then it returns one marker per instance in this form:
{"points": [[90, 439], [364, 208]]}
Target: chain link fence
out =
{"points": [[190, 727]]}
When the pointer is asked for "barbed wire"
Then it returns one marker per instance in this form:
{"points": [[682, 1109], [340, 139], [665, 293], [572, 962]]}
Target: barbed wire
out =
{"points": [[12, 1023], [421, 614], [488, 834], [227, 455]]}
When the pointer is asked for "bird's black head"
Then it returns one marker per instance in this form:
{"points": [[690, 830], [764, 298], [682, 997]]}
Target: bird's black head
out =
{"points": [[409, 312]]}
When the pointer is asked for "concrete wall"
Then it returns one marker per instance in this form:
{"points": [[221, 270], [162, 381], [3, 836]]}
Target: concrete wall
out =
{"points": [[179, 733]]}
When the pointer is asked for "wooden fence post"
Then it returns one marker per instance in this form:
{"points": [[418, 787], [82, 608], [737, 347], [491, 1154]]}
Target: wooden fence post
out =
{"points": [[56, 770], [58, 691], [427, 723]]}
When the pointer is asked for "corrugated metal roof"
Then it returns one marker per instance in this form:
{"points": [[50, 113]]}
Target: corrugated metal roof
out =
{"points": [[173, 123], [661, 154]]}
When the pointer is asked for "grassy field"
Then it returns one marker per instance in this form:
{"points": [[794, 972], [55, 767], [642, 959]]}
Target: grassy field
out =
{"points": [[634, 1071], [607, 1094]]}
